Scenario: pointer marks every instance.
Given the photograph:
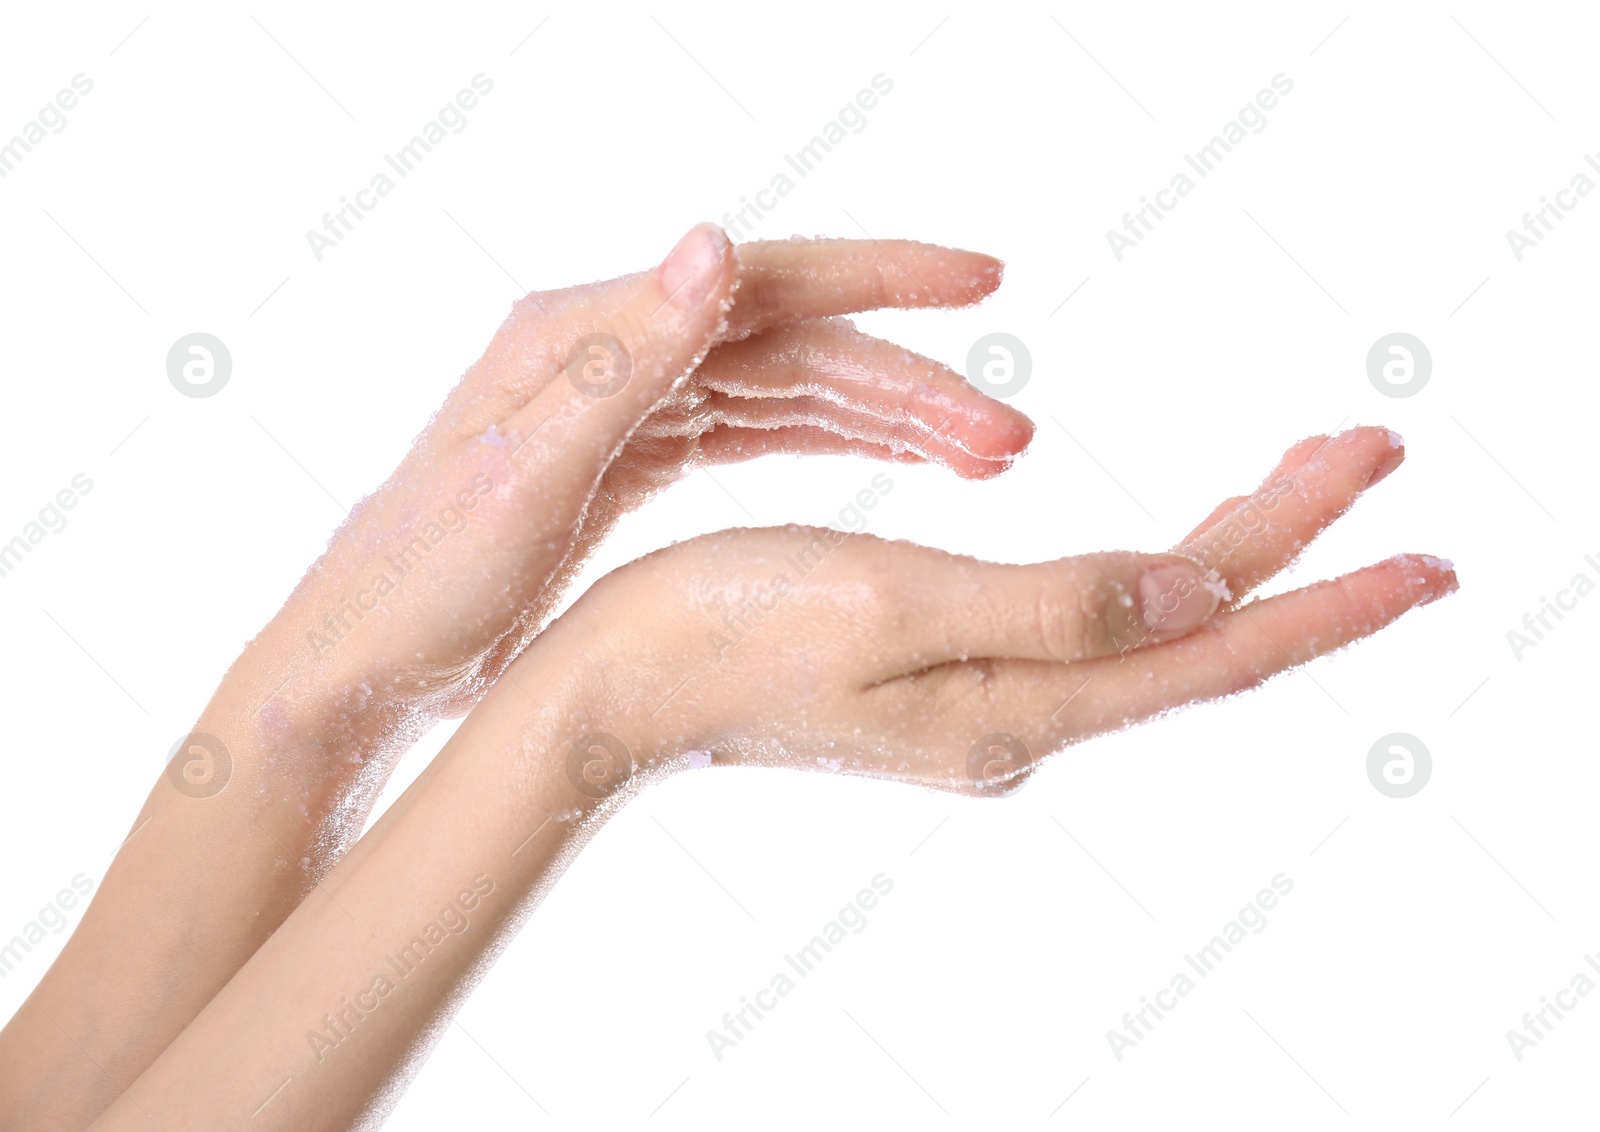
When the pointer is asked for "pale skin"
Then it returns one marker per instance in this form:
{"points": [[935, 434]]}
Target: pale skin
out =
{"points": [[872, 658]]}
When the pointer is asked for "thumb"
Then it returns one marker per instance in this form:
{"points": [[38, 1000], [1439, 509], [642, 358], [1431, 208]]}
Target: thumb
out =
{"points": [[931, 608], [621, 363]]}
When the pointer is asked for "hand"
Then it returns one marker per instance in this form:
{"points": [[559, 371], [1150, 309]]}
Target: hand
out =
{"points": [[442, 576], [824, 650], [445, 573], [874, 658]]}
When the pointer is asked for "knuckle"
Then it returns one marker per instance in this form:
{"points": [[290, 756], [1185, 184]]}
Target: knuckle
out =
{"points": [[628, 328], [887, 281], [757, 294], [1065, 626], [530, 308]]}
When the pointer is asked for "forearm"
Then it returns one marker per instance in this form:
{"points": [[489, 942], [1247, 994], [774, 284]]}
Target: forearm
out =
{"points": [[335, 1002], [228, 842]]}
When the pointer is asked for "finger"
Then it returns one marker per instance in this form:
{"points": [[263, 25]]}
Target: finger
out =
{"points": [[831, 360], [729, 445], [779, 281], [719, 411], [784, 280], [1236, 651], [655, 462], [928, 608], [1290, 460], [620, 364], [1312, 486]]}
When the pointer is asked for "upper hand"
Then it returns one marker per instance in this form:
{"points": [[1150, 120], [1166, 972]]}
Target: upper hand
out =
{"points": [[587, 400]]}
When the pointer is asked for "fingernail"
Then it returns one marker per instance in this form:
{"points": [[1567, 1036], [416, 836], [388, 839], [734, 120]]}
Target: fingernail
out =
{"points": [[1390, 463], [689, 271], [1176, 598]]}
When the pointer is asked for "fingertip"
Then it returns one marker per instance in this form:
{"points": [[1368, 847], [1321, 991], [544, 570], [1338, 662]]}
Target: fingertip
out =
{"points": [[1387, 589], [924, 276], [1381, 450], [698, 270], [1427, 571], [1019, 432], [993, 431], [970, 277], [1392, 460], [978, 468], [991, 272]]}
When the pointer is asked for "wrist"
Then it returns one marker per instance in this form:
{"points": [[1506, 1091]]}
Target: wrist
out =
{"points": [[575, 722], [299, 751]]}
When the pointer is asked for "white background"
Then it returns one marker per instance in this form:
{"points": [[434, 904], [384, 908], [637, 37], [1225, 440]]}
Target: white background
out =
{"points": [[1019, 931]]}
